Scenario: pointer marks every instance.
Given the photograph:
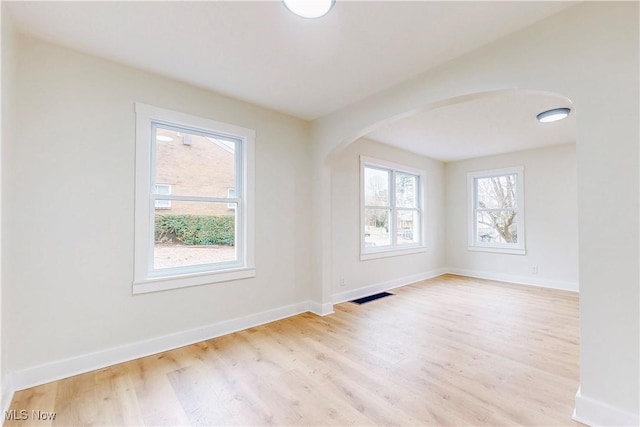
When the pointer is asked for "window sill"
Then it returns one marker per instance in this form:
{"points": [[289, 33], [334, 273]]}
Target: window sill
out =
{"points": [[385, 253], [157, 284], [512, 251]]}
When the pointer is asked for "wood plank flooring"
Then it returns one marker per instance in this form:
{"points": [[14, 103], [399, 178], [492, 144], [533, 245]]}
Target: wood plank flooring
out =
{"points": [[446, 351]]}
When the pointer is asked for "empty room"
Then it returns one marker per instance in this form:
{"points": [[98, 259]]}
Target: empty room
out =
{"points": [[320, 213]]}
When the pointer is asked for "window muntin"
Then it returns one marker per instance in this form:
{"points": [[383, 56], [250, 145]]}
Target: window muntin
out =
{"points": [[392, 212], [190, 229], [496, 217], [164, 190]]}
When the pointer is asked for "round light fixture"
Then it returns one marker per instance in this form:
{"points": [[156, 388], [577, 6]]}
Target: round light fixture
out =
{"points": [[309, 8], [553, 115]]}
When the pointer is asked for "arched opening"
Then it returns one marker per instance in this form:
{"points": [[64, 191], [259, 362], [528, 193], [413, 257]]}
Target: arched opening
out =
{"points": [[447, 140]]}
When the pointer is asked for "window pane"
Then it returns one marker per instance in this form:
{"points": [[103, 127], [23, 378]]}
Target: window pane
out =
{"points": [[406, 190], [194, 233], [376, 187], [496, 192], [408, 227], [376, 227], [194, 165], [496, 227]]}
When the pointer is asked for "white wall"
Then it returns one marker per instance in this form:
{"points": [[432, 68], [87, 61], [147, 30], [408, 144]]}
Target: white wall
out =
{"points": [[588, 53], [551, 213], [69, 269], [7, 134], [68, 200], [389, 271]]}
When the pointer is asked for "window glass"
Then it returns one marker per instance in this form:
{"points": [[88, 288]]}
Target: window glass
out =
{"points": [[406, 190], [496, 192], [391, 209], [496, 221], [194, 233], [376, 229], [376, 187], [194, 164]]}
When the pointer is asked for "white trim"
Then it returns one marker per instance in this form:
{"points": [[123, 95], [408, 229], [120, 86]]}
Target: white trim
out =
{"points": [[146, 279], [320, 309], [518, 248], [53, 371], [593, 412], [194, 279], [515, 279], [7, 392], [56, 370], [421, 194], [498, 249], [385, 286], [384, 253]]}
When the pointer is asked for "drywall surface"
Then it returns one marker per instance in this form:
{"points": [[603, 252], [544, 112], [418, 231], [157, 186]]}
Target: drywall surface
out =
{"points": [[588, 53], [346, 232], [8, 105], [69, 199], [550, 213]]}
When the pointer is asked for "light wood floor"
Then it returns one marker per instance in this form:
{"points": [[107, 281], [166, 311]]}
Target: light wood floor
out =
{"points": [[447, 351]]}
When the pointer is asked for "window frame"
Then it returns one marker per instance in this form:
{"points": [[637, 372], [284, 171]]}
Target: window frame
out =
{"points": [[160, 205], [393, 249], [518, 248], [230, 191], [146, 279]]}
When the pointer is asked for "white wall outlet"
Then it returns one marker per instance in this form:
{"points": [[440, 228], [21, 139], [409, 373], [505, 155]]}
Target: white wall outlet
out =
{"points": [[534, 270], [342, 282]]}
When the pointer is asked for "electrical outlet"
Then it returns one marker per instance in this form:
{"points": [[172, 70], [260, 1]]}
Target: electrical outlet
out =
{"points": [[342, 282], [534, 270]]}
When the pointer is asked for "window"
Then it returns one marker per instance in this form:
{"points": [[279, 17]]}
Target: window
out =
{"points": [[496, 214], [193, 231], [391, 209], [164, 190], [231, 193]]}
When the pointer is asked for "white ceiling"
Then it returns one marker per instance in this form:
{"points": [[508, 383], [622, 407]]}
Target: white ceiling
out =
{"points": [[491, 124], [261, 53]]}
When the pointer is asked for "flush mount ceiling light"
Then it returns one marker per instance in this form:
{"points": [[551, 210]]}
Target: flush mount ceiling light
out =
{"points": [[309, 8], [164, 138], [553, 115]]}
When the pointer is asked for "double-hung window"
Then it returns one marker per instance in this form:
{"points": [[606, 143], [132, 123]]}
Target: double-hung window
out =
{"points": [[392, 209], [164, 190], [189, 228], [496, 210]]}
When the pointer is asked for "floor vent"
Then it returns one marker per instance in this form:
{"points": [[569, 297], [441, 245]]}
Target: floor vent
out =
{"points": [[371, 298]]}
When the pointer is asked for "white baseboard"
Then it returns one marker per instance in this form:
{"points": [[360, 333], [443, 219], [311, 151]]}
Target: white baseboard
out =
{"points": [[385, 286], [596, 413], [320, 309], [65, 368], [519, 280], [7, 393]]}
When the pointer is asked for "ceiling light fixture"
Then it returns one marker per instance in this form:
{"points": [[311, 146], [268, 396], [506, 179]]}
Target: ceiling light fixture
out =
{"points": [[309, 8], [553, 115]]}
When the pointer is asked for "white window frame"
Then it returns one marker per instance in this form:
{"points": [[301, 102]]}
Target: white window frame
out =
{"points": [[231, 193], [159, 202], [518, 248], [367, 253], [146, 279]]}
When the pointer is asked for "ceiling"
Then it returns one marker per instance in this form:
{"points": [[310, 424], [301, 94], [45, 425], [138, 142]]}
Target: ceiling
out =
{"points": [[261, 53], [490, 124]]}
